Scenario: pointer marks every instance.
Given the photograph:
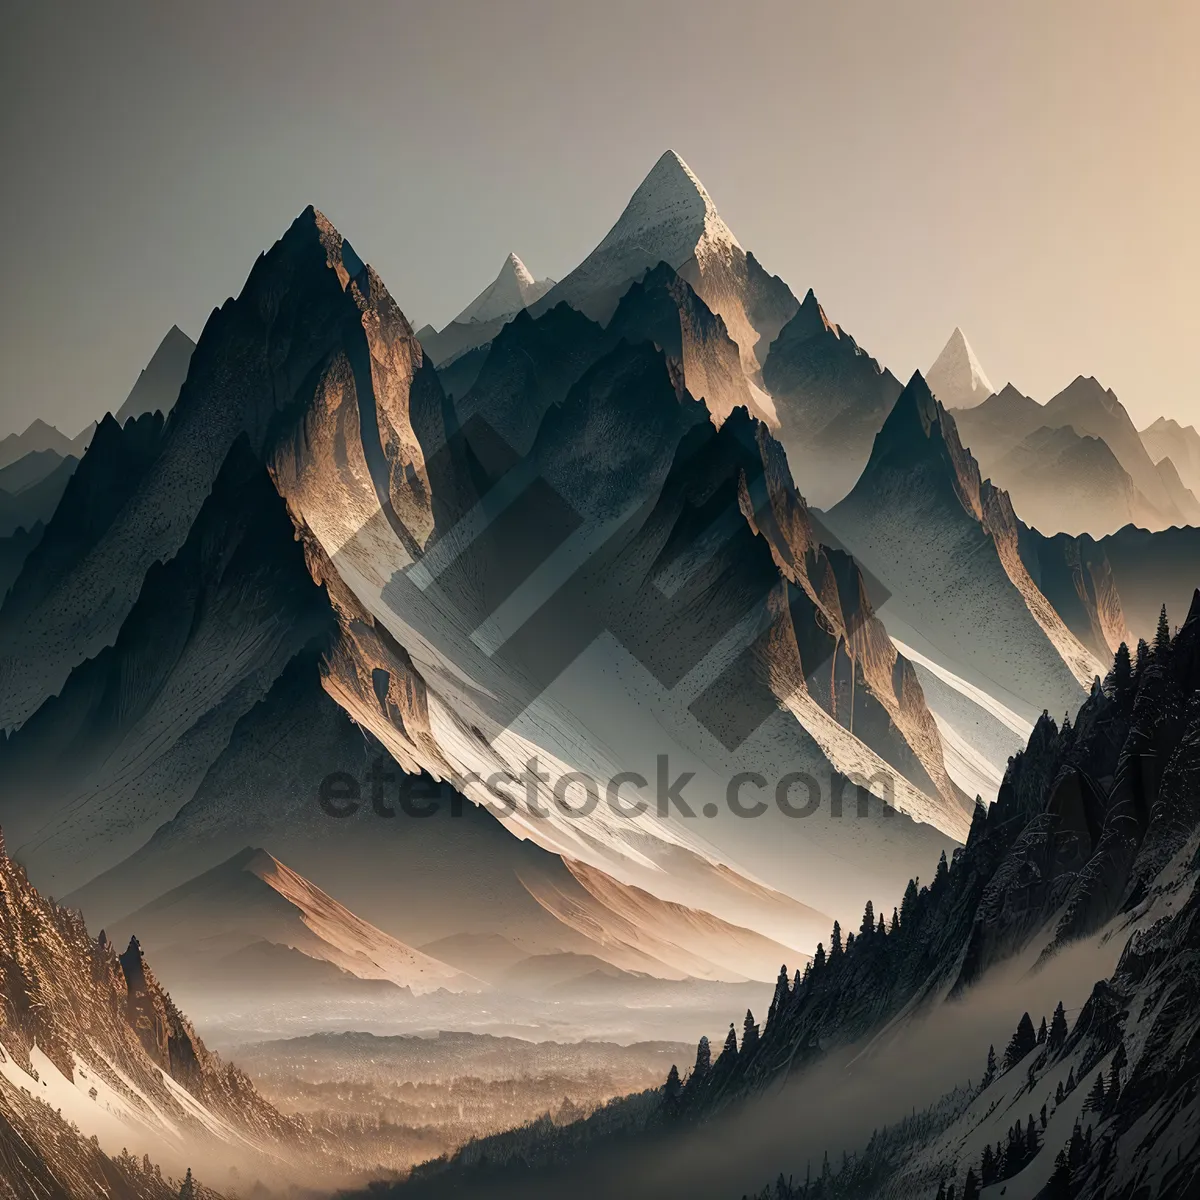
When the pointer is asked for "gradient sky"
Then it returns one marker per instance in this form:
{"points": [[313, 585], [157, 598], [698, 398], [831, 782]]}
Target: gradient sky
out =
{"points": [[1029, 171]]}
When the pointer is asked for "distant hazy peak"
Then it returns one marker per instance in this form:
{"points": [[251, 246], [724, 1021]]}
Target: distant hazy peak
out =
{"points": [[157, 386], [513, 289], [956, 378], [1170, 427]]}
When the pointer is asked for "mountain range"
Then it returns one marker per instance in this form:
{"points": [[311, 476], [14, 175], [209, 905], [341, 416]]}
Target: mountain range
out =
{"points": [[616, 639]]}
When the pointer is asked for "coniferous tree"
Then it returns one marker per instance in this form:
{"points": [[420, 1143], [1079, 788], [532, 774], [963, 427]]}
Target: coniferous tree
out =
{"points": [[1023, 1040], [1044, 1116], [1143, 658], [978, 821], [908, 905], [943, 871], [835, 942], [941, 1192], [1059, 1187], [867, 928], [1071, 1081], [780, 998], [990, 1073], [818, 959], [672, 1090], [188, 1190], [1059, 1094], [895, 921], [749, 1034], [970, 1186], [881, 928], [1031, 1139], [987, 1168], [729, 1051], [703, 1067], [1120, 679], [1162, 637], [1043, 1033], [1095, 1100]]}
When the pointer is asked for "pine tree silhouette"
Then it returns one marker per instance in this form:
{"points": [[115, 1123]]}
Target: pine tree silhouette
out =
{"points": [[971, 1185], [749, 1035], [943, 871], [730, 1050], [780, 998], [703, 1066], [188, 1190], [1023, 1040], [1120, 679], [1058, 1029], [867, 928], [1143, 658], [1095, 1100], [672, 1091], [990, 1073], [1059, 1187], [1162, 637], [835, 942]]}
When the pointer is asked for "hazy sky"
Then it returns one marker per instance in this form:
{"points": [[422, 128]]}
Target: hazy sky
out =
{"points": [[1026, 170]]}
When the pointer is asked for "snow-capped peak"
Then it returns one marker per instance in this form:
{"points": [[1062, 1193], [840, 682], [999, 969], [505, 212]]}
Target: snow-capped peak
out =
{"points": [[956, 378], [513, 289], [670, 218], [514, 265]]}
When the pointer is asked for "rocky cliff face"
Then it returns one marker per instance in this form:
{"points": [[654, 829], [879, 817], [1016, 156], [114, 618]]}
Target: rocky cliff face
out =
{"points": [[305, 313], [1074, 574]]}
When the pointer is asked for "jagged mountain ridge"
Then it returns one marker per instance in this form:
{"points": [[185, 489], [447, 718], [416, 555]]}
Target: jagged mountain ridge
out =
{"points": [[1181, 443], [1065, 483], [671, 218], [35, 503], [127, 740], [831, 398], [945, 543], [367, 507], [41, 436]]}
